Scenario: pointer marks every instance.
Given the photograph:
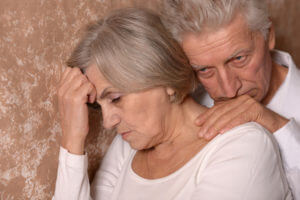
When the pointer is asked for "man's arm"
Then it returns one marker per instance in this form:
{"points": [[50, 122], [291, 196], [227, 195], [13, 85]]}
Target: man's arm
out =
{"points": [[288, 138], [225, 115]]}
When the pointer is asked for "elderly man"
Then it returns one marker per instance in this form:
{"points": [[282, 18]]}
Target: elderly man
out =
{"points": [[230, 45]]}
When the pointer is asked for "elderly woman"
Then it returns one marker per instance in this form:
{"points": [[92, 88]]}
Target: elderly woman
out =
{"points": [[141, 79]]}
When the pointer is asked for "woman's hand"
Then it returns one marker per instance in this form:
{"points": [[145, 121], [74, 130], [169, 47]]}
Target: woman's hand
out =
{"points": [[75, 90]]}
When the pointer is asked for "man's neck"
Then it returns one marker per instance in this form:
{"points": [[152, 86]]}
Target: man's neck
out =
{"points": [[278, 76]]}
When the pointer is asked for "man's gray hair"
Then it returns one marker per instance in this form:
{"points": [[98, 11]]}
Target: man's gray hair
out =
{"points": [[182, 16], [135, 52]]}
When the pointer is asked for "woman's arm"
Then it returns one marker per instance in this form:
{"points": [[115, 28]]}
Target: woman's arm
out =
{"points": [[75, 90], [72, 179], [245, 165]]}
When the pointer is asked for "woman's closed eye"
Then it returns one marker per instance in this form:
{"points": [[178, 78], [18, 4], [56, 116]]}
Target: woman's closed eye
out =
{"points": [[116, 100], [114, 97]]}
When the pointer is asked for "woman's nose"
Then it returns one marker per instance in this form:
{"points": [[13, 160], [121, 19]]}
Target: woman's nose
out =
{"points": [[110, 119]]}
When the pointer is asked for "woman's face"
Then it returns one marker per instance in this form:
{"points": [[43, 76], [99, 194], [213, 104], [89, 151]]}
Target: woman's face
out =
{"points": [[140, 117]]}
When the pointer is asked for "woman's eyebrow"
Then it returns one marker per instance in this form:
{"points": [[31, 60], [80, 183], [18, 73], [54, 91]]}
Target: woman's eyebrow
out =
{"points": [[104, 93]]}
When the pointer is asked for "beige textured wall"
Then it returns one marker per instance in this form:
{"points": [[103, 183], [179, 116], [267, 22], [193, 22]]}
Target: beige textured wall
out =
{"points": [[285, 15], [36, 38]]}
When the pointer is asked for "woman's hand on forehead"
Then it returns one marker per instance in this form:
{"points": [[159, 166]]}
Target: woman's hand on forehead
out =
{"points": [[74, 92]]}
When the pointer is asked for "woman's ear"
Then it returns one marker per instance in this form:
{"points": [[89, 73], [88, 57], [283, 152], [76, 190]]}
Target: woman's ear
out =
{"points": [[171, 93]]}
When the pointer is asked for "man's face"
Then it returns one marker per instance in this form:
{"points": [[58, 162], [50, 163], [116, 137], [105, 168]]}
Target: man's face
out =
{"points": [[231, 61]]}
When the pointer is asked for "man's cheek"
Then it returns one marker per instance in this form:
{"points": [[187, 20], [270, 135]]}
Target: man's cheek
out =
{"points": [[214, 92], [209, 84]]}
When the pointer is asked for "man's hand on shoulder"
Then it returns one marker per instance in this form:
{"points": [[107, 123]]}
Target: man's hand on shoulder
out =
{"points": [[225, 115]]}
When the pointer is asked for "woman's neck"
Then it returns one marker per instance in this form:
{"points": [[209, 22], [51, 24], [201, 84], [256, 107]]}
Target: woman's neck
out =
{"points": [[179, 146], [181, 131]]}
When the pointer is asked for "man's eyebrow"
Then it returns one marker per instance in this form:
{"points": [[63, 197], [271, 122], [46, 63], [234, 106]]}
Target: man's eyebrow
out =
{"points": [[197, 67], [234, 55], [237, 53]]}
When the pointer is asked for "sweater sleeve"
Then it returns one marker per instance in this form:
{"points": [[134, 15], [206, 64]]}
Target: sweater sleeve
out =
{"points": [[288, 138], [243, 166], [72, 181]]}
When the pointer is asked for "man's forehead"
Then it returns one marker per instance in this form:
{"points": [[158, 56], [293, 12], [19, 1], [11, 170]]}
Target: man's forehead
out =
{"points": [[236, 31], [237, 41]]}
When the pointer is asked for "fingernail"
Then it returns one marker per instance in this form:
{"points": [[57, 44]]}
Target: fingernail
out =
{"points": [[223, 130], [207, 136]]}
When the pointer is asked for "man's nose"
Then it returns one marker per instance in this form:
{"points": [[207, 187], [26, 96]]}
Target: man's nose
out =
{"points": [[110, 118], [230, 84]]}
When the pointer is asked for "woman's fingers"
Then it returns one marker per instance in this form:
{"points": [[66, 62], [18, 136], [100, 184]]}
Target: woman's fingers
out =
{"points": [[72, 81], [74, 92], [76, 82], [69, 77], [65, 73], [87, 91]]}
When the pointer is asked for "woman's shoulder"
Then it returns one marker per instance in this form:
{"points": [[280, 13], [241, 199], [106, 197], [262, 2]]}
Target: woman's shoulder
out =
{"points": [[245, 160], [248, 141], [248, 128], [252, 133]]}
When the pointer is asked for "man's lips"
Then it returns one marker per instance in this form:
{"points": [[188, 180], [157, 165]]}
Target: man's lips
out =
{"points": [[252, 93]]}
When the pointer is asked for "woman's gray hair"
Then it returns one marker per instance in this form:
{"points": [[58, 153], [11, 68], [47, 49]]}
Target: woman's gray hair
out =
{"points": [[182, 16], [135, 52]]}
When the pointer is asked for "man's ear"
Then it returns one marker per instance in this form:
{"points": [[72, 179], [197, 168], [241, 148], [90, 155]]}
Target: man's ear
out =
{"points": [[271, 37]]}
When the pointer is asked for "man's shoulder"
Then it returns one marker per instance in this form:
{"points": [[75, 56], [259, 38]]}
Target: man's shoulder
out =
{"points": [[283, 58]]}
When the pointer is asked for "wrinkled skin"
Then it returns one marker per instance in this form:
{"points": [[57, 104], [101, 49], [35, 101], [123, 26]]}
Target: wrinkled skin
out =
{"points": [[234, 65]]}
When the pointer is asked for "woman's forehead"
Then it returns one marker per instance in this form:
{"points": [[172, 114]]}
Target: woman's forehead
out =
{"points": [[96, 78]]}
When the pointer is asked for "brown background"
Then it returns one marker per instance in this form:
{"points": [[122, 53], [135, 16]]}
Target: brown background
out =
{"points": [[36, 38]]}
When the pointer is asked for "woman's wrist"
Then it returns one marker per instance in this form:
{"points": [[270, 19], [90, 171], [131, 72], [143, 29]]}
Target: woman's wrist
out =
{"points": [[74, 146]]}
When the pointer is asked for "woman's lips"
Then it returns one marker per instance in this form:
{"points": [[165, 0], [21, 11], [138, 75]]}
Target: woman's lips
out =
{"points": [[124, 134]]}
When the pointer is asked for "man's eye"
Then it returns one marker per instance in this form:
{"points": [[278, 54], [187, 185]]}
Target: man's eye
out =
{"points": [[240, 58], [203, 69], [205, 72], [240, 61]]}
